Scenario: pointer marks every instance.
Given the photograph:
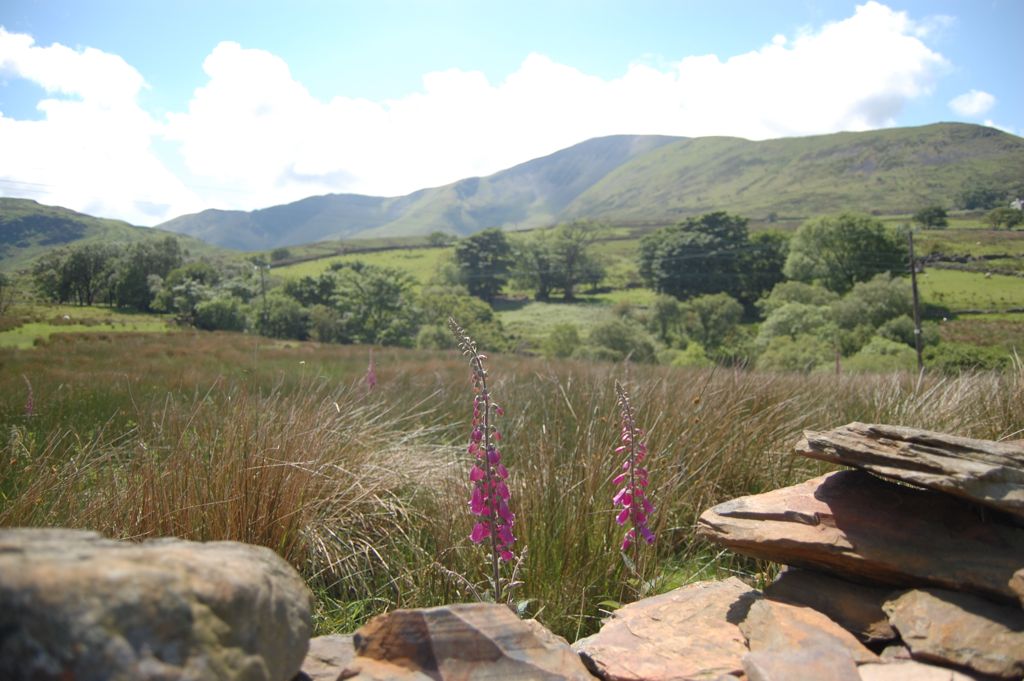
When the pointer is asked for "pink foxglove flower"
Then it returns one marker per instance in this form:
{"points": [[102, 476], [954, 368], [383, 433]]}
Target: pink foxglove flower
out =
{"points": [[490, 495], [632, 495]]}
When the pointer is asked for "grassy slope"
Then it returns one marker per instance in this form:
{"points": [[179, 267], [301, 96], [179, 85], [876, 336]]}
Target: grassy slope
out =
{"points": [[646, 179], [891, 171], [28, 229]]}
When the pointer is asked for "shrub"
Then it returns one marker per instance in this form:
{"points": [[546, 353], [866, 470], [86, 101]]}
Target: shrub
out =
{"points": [[882, 354], [623, 339], [221, 314], [952, 358]]}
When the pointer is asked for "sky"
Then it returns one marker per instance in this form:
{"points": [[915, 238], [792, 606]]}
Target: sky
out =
{"points": [[145, 110]]}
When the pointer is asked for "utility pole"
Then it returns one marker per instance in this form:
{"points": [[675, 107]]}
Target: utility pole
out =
{"points": [[917, 305]]}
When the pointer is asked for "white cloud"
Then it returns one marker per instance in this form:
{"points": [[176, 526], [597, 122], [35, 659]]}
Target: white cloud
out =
{"points": [[972, 103], [253, 136], [91, 151]]}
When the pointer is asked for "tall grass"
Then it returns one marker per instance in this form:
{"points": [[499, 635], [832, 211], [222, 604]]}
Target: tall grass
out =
{"points": [[218, 436]]}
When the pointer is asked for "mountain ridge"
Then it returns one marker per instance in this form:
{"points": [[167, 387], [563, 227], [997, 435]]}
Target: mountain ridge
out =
{"points": [[651, 179]]}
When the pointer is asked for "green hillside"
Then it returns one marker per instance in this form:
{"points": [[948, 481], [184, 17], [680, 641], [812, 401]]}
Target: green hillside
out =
{"points": [[886, 171], [654, 179], [28, 229]]}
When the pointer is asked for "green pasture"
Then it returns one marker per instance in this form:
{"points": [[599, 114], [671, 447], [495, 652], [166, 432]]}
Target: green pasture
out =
{"points": [[959, 290], [421, 263], [25, 325]]}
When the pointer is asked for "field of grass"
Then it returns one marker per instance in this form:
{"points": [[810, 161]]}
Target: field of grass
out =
{"points": [[421, 263], [222, 436], [958, 290], [26, 324]]}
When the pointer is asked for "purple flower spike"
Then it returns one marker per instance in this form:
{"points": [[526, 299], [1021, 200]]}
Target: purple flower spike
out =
{"points": [[631, 497], [490, 495]]}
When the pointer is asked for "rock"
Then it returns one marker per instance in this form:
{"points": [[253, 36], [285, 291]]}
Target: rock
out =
{"points": [[1017, 585], [814, 663], [855, 607], [465, 641], [990, 473], [689, 633], [857, 526], [329, 658], [897, 652], [76, 605], [960, 629], [781, 627], [910, 671]]}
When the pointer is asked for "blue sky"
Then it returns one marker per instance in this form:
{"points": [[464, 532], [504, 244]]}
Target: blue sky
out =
{"points": [[146, 110]]}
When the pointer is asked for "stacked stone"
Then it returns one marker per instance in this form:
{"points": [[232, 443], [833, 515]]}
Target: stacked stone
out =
{"points": [[918, 553]]}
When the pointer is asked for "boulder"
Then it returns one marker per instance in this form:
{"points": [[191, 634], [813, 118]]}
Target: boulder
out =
{"points": [[781, 627], [329, 658], [855, 607], [857, 526], [464, 641], [960, 629], [911, 671], [686, 634], [1017, 585], [815, 662], [987, 472], [76, 605]]}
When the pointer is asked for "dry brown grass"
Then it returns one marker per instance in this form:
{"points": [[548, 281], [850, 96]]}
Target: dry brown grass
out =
{"points": [[215, 436]]}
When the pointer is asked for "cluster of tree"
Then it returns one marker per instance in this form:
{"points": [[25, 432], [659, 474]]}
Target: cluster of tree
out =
{"points": [[103, 273], [713, 253]]}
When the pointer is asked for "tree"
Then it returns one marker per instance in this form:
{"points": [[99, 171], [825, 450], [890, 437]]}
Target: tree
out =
{"points": [[283, 318], [977, 197], [698, 256], [142, 265], [795, 292], [838, 251], [438, 239], [223, 313], [6, 293], [570, 246], [484, 260], [932, 217], [1004, 217], [761, 265], [534, 266], [711, 319], [377, 306], [279, 254]]}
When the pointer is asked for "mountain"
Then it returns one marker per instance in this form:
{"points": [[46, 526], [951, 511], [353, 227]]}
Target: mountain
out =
{"points": [[532, 194], [655, 179], [28, 228]]}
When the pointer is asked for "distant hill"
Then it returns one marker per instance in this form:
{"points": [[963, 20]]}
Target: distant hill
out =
{"points": [[28, 229], [655, 179], [531, 194]]}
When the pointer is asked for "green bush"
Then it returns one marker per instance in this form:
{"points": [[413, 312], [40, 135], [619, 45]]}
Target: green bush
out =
{"points": [[562, 341], [952, 358], [803, 353], [221, 314], [881, 354], [623, 339]]}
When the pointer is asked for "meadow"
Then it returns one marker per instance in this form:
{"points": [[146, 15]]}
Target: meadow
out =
{"points": [[228, 436]]}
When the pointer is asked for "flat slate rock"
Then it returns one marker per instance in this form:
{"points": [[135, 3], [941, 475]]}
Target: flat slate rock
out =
{"points": [[960, 629], [853, 606], [983, 471], [461, 642], [911, 671], [857, 526], [74, 605], [781, 627], [329, 658], [690, 633], [810, 663]]}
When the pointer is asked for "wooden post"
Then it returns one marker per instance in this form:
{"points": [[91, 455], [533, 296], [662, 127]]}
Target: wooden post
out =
{"points": [[917, 305]]}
